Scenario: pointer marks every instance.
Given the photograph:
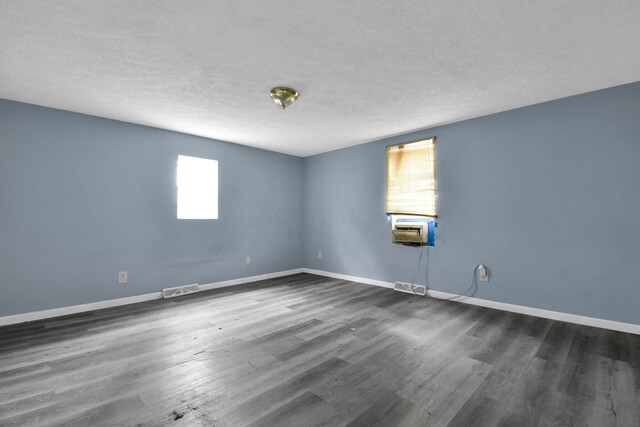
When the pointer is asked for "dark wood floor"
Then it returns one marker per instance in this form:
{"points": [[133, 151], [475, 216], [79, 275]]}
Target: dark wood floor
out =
{"points": [[308, 350]]}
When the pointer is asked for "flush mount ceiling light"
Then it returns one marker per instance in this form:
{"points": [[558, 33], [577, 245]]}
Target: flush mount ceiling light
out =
{"points": [[283, 96]]}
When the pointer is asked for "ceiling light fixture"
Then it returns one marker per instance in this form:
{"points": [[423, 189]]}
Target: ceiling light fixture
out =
{"points": [[283, 96]]}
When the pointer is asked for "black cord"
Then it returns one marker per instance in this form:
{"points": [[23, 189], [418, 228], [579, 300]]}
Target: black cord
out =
{"points": [[474, 283], [413, 287], [417, 268], [474, 278]]}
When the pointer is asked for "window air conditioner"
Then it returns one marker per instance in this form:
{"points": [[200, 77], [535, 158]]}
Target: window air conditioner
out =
{"points": [[410, 233]]}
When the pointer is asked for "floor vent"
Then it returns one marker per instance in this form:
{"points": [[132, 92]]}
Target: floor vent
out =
{"points": [[180, 290], [410, 289]]}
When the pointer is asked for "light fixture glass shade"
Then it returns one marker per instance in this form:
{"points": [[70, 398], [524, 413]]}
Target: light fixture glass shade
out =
{"points": [[283, 96]]}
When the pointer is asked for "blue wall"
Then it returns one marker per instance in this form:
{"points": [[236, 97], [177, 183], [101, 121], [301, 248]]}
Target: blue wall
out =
{"points": [[82, 198], [547, 196]]}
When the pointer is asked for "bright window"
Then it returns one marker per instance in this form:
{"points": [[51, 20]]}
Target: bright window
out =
{"points": [[197, 181], [411, 178]]}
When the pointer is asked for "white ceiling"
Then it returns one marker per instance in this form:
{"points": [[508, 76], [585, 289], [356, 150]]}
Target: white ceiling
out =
{"points": [[365, 69]]}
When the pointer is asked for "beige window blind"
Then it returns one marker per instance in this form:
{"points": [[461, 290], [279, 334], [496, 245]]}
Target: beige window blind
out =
{"points": [[411, 178]]}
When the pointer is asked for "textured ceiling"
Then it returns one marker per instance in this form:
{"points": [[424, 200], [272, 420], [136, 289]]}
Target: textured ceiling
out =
{"points": [[365, 69]]}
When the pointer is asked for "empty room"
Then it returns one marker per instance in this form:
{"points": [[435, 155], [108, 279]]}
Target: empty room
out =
{"points": [[320, 213]]}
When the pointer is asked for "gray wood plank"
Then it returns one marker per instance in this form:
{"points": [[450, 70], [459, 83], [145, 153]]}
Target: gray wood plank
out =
{"points": [[309, 350]]}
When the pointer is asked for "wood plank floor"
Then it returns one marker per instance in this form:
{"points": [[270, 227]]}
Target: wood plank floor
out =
{"points": [[306, 350]]}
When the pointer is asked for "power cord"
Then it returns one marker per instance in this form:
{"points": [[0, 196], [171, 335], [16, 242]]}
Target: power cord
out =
{"points": [[474, 279], [413, 281], [474, 284]]}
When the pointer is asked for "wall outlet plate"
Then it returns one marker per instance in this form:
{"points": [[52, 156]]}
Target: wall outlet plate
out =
{"points": [[122, 277], [483, 273]]}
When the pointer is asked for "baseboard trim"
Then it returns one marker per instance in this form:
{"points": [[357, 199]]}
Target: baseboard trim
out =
{"points": [[234, 282], [547, 314], [531, 311], [73, 309]]}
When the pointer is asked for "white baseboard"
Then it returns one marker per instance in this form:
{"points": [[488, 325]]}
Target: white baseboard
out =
{"points": [[73, 309], [547, 314], [63, 311], [233, 282], [350, 278], [538, 312]]}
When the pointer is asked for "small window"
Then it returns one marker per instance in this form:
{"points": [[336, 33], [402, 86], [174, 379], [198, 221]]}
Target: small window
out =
{"points": [[197, 181], [411, 178]]}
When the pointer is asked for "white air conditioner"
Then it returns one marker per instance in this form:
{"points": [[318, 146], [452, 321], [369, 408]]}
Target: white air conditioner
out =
{"points": [[410, 233]]}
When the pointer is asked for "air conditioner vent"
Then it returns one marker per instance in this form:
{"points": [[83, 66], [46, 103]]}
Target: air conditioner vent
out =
{"points": [[410, 289], [180, 290]]}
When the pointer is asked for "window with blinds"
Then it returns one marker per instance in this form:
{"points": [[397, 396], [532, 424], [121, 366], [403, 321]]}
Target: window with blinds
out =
{"points": [[411, 178]]}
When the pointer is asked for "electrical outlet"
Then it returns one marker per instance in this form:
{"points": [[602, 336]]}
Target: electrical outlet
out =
{"points": [[319, 254], [248, 260], [122, 277], [483, 273]]}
